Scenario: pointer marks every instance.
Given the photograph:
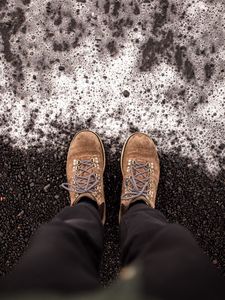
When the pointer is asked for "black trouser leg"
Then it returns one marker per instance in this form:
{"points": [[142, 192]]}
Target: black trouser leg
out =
{"points": [[64, 256], [172, 264]]}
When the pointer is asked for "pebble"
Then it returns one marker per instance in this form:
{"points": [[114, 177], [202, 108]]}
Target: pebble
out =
{"points": [[20, 214], [47, 187], [126, 93]]}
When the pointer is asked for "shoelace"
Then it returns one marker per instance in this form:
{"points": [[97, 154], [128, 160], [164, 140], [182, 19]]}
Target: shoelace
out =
{"points": [[86, 181], [138, 183]]}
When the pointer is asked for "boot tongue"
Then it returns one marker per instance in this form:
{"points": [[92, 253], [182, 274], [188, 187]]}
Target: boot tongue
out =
{"points": [[139, 198], [88, 195]]}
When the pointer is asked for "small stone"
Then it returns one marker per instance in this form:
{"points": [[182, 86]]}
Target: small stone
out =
{"points": [[31, 184], [1, 234], [126, 93], [20, 214], [56, 196], [46, 187], [61, 68]]}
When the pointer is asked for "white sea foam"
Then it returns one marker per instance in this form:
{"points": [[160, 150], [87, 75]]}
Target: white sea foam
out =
{"points": [[92, 84]]}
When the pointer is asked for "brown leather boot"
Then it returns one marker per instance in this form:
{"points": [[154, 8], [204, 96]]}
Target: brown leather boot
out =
{"points": [[140, 169], [85, 168]]}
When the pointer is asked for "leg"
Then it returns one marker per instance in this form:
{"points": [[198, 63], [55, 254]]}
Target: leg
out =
{"points": [[173, 266], [65, 254]]}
